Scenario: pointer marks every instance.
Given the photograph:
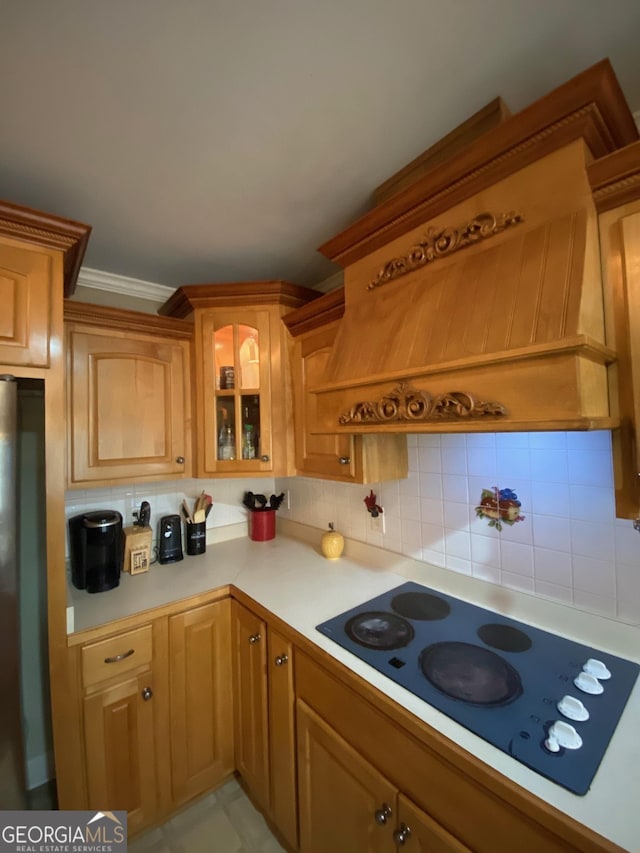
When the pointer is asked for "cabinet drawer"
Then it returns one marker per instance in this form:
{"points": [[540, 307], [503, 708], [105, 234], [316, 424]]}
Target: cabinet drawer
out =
{"points": [[109, 658]]}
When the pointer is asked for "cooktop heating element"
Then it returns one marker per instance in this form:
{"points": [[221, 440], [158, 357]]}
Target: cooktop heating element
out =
{"points": [[549, 702]]}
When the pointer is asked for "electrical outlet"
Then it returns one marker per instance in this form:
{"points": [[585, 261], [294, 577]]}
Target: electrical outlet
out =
{"points": [[376, 523], [288, 498]]}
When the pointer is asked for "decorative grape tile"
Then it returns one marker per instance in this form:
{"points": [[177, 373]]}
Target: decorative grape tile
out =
{"points": [[499, 506]]}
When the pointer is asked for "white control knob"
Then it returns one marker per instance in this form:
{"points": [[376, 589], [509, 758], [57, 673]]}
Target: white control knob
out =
{"points": [[588, 684], [562, 734], [597, 669], [552, 744], [573, 708]]}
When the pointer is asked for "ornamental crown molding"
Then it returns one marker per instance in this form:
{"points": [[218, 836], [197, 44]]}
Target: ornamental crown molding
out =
{"points": [[405, 404], [590, 107], [440, 242], [112, 283]]}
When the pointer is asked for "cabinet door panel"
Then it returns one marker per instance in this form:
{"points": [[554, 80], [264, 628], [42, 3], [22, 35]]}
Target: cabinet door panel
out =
{"points": [[201, 701], [318, 454], [120, 750], [422, 833], [127, 407], [340, 793], [243, 397], [249, 641], [282, 737], [26, 275], [352, 459]]}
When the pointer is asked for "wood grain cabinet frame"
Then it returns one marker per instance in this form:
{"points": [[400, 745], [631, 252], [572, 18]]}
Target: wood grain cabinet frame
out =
{"points": [[40, 256]]}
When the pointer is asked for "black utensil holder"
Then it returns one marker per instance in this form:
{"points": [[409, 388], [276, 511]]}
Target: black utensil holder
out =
{"points": [[196, 538]]}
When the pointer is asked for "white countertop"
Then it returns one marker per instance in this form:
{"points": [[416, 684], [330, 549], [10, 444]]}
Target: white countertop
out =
{"points": [[290, 578]]}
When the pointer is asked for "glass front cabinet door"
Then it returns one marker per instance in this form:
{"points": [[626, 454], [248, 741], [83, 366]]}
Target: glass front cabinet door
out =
{"points": [[237, 393]]}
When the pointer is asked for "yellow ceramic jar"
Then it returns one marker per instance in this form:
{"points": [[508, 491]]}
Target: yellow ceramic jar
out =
{"points": [[332, 543]]}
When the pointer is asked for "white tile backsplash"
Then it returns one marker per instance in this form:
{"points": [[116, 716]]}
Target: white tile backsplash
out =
{"points": [[165, 499], [551, 531], [570, 547]]}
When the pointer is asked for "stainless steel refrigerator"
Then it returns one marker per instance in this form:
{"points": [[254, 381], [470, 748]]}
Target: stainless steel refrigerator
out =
{"points": [[24, 693]]}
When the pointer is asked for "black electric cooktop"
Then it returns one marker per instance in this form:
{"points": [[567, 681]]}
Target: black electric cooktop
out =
{"points": [[549, 702]]}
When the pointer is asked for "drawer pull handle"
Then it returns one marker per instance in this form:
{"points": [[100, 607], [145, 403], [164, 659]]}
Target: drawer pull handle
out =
{"points": [[344, 460], [281, 660], [401, 835], [117, 658], [180, 460], [147, 693], [254, 638], [382, 814]]}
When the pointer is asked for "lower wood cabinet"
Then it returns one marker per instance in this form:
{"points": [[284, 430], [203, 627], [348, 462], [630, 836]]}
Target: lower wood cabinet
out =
{"points": [[124, 724], [264, 717], [282, 736], [121, 750], [347, 805], [249, 650], [200, 699], [157, 713], [368, 771], [335, 766]]}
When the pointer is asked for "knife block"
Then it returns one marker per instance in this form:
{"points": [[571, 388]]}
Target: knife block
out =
{"points": [[137, 550]]}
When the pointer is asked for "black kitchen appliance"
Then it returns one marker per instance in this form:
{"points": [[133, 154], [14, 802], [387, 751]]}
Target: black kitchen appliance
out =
{"points": [[547, 701], [170, 539], [96, 548]]}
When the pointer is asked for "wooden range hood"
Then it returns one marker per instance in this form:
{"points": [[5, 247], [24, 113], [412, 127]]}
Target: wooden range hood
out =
{"points": [[474, 298]]}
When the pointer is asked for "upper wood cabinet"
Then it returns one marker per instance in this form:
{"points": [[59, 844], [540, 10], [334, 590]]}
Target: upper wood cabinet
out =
{"points": [[242, 379], [128, 392], [39, 256], [616, 189], [233, 351], [349, 458], [26, 275]]}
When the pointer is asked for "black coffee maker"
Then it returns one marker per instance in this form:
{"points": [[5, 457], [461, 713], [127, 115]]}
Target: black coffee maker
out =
{"points": [[96, 549]]}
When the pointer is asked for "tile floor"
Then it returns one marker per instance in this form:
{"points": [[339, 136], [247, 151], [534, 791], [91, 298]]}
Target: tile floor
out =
{"points": [[222, 822]]}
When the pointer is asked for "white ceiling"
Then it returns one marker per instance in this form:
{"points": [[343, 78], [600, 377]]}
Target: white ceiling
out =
{"points": [[221, 140]]}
